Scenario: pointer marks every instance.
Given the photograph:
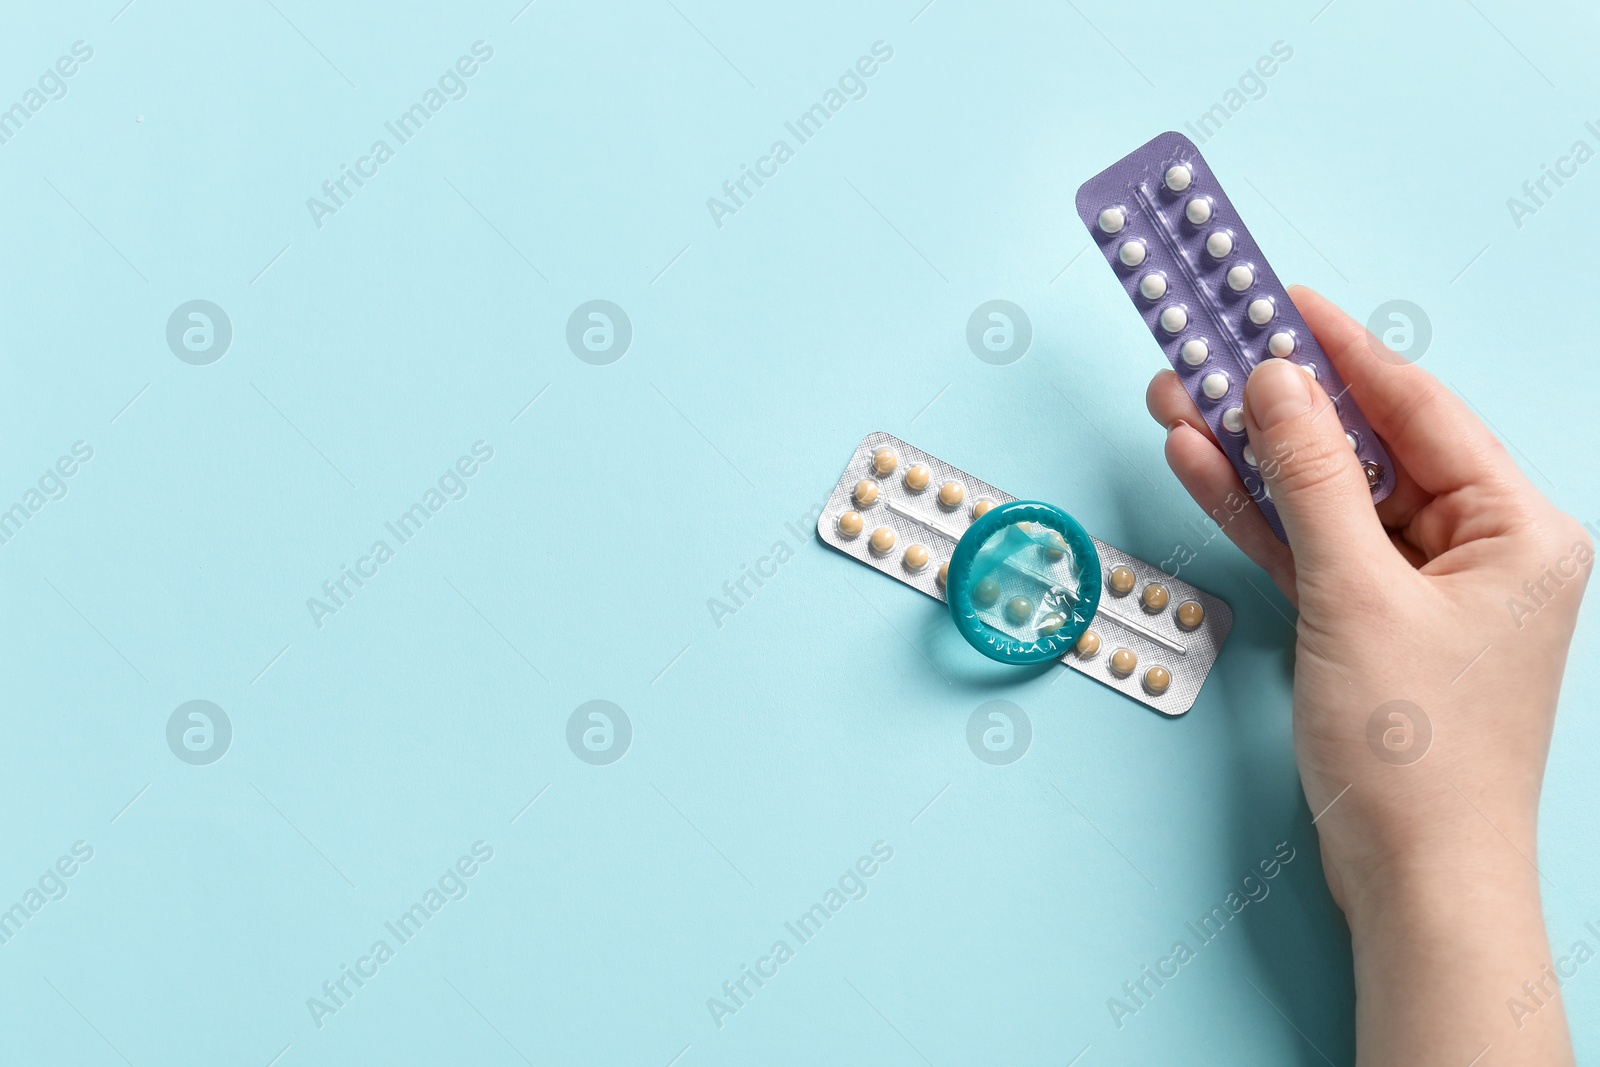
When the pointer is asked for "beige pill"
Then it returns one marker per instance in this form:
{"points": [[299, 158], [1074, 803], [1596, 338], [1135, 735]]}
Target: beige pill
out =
{"points": [[1190, 614], [986, 592], [1121, 581], [1155, 597], [1123, 661], [1019, 609], [882, 540], [850, 523], [884, 461], [982, 508], [951, 494], [866, 492], [1156, 680], [1051, 624], [915, 558], [1088, 644], [944, 574], [917, 478], [1057, 546]]}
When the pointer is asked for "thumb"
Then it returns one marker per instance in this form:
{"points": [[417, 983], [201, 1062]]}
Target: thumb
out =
{"points": [[1312, 473]]}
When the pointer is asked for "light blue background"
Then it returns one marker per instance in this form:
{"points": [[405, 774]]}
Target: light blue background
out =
{"points": [[772, 751]]}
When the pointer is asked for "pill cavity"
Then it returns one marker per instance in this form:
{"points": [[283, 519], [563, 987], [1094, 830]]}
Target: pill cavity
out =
{"points": [[1155, 597], [1123, 661], [1281, 344], [1153, 286], [850, 523], [1174, 319], [1179, 177], [1261, 311], [917, 478], [1051, 624], [1214, 385], [1088, 644], [944, 574], [882, 541], [1131, 253], [866, 492], [1055, 546], [951, 494], [1309, 369], [1351, 438], [986, 592], [1113, 219], [1233, 420], [1156, 680], [915, 558], [1190, 614], [1194, 352], [982, 508], [1198, 210], [1121, 581], [1250, 456], [884, 461], [1220, 244], [1241, 278]]}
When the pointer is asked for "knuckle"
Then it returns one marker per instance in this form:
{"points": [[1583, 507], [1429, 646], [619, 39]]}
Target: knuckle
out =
{"points": [[1307, 466]]}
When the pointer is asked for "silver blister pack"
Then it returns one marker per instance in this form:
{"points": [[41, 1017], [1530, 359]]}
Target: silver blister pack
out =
{"points": [[917, 509]]}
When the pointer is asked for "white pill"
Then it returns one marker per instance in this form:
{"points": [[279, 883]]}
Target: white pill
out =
{"points": [[1112, 219], [1198, 210], [1131, 253], [1261, 311], [1309, 369], [1233, 420], [1351, 438], [1281, 344], [1214, 385], [1250, 455], [1241, 278], [1194, 352], [1153, 286], [1174, 319], [1179, 177], [1220, 244]]}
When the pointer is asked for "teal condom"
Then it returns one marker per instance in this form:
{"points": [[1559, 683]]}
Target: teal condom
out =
{"points": [[1023, 583]]}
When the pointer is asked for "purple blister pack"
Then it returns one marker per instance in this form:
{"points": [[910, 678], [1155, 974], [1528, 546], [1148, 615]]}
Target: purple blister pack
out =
{"points": [[1210, 298]]}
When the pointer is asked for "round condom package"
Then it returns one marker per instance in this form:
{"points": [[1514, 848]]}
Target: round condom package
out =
{"points": [[1024, 583]]}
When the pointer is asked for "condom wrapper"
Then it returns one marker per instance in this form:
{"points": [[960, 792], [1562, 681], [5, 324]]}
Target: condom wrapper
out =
{"points": [[910, 518], [1023, 583]]}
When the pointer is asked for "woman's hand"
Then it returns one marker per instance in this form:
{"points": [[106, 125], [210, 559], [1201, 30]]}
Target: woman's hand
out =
{"points": [[1433, 633]]}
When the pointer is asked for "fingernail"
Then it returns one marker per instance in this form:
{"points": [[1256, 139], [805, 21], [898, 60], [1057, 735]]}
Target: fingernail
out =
{"points": [[1276, 392]]}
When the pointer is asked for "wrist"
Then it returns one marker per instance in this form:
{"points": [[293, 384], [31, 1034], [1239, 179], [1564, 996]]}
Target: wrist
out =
{"points": [[1451, 956], [1435, 891], [1433, 848]]}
